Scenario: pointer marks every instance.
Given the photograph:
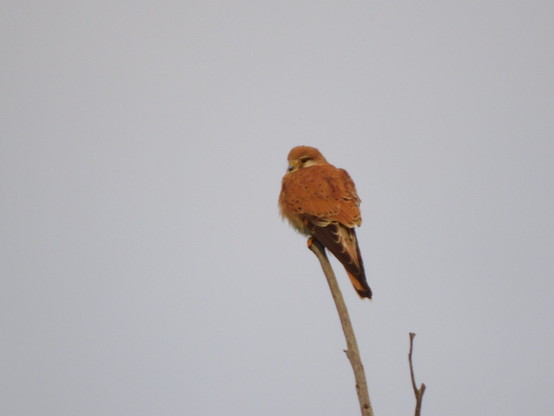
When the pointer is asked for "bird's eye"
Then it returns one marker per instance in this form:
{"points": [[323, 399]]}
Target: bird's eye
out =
{"points": [[304, 159]]}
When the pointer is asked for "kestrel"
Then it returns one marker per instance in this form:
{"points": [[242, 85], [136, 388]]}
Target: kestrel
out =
{"points": [[320, 200]]}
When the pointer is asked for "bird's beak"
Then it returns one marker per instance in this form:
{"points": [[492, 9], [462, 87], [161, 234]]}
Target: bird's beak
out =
{"points": [[292, 165]]}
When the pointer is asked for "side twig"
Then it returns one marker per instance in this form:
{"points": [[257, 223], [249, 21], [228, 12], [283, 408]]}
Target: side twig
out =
{"points": [[352, 351], [417, 392]]}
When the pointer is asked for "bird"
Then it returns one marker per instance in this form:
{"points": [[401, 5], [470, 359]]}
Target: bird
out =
{"points": [[320, 200]]}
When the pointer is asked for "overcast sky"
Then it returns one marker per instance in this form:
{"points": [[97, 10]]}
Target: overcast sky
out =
{"points": [[144, 269]]}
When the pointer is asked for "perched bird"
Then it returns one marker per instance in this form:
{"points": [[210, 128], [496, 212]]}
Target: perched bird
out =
{"points": [[320, 200]]}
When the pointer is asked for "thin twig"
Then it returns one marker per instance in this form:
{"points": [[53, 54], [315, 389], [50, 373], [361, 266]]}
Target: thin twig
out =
{"points": [[352, 352], [417, 392]]}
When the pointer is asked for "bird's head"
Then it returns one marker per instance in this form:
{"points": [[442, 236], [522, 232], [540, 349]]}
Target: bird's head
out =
{"points": [[304, 157]]}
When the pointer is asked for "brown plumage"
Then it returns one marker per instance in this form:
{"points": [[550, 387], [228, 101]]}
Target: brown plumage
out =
{"points": [[320, 200]]}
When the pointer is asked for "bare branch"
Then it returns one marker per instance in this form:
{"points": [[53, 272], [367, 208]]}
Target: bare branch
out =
{"points": [[352, 351], [417, 392]]}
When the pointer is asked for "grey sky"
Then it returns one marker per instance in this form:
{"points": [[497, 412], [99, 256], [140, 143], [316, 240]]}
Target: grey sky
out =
{"points": [[144, 269]]}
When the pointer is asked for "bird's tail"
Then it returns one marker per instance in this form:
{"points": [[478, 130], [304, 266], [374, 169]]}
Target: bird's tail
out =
{"points": [[360, 285], [342, 242]]}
